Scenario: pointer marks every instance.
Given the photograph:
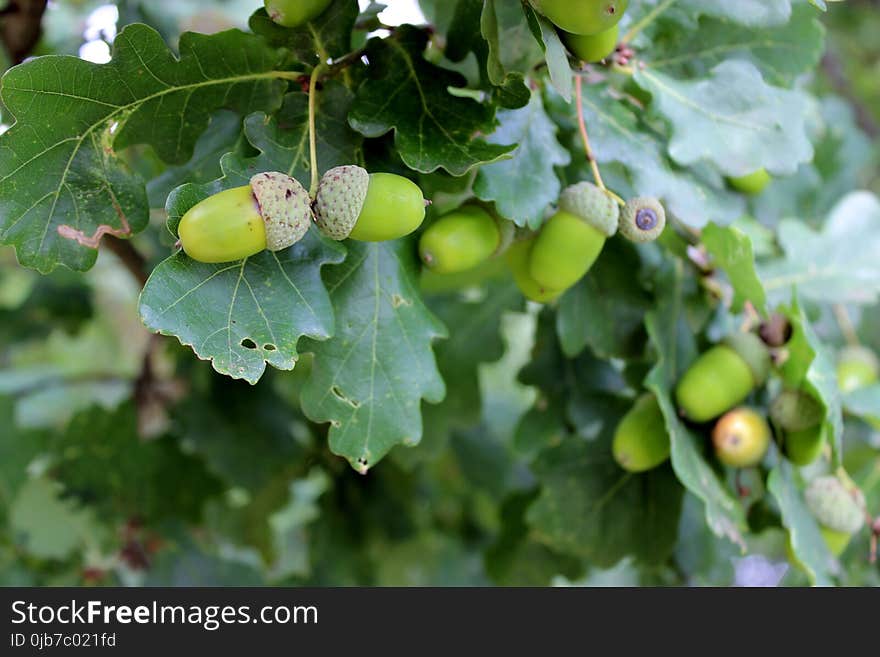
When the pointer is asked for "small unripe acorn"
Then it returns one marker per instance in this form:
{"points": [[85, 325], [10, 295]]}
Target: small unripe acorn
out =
{"points": [[273, 212], [293, 13], [753, 183], [722, 377], [642, 219], [592, 47], [857, 367], [572, 239], [582, 16], [517, 258], [369, 207], [641, 441], [800, 419], [462, 239], [834, 506], [741, 438]]}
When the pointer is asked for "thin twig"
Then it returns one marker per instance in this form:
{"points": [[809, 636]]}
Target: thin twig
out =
{"points": [[585, 137], [846, 325]]}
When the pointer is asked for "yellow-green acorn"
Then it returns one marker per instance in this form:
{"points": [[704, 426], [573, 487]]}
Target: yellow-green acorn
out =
{"points": [[642, 219], [722, 377], [369, 207], [857, 367], [592, 47], [518, 257], [741, 438], [838, 509], [753, 183], [463, 239], [273, 212], [799, 417], [582, 16], [571, 240], [293, 13], [641, 441]]}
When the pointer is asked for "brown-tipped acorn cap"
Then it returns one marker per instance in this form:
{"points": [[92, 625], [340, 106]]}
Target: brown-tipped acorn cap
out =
{"points": [[340, 199], [834, 506], [754, 352], [591, 204], [285, 207], [642, 219], [796, 410]]}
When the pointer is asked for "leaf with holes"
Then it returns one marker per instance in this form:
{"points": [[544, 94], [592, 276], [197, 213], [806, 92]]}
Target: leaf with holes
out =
{"points": [[409, 95], [241, 315], [369, 380], [58, 163]]}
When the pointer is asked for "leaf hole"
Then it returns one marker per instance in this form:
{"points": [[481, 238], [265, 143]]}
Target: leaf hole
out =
{"points": [[337, 391], [247, 343], [269, 347]]}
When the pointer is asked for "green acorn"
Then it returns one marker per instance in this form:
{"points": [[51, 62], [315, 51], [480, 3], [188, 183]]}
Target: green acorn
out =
{"points": [[463, 239], [353, 203], [857, 367], [572, 239], [582, 16], [592, 47], [641, 441], [799, 417], [293, 13], [753, 183], [273, 212], [834, 505], [518, 257], [642, 219], [723, 377]]}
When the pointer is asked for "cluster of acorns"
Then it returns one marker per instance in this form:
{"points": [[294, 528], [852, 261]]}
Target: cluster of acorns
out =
{"points": [[713, 389], [589, 28], [547, 263], [275, 211]]}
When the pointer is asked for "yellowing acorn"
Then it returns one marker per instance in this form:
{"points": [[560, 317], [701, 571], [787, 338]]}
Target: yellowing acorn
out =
{"points": [[572, 239], [741, 438], [369, 207], [722, 377], [518, 257], [641, 441], [273, 212], [463, 239]]}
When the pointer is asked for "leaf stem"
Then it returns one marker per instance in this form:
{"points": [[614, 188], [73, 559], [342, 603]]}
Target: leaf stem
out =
{"points": [[846, 325], [313, 132], [649, 18], [585, 137]]}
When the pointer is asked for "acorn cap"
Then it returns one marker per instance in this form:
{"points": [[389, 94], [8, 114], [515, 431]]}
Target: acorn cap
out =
{"points": [[754, 352], [340, 199], [591, 204], [795, 410], [285, 207], [834, 506], [642, 219]]}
